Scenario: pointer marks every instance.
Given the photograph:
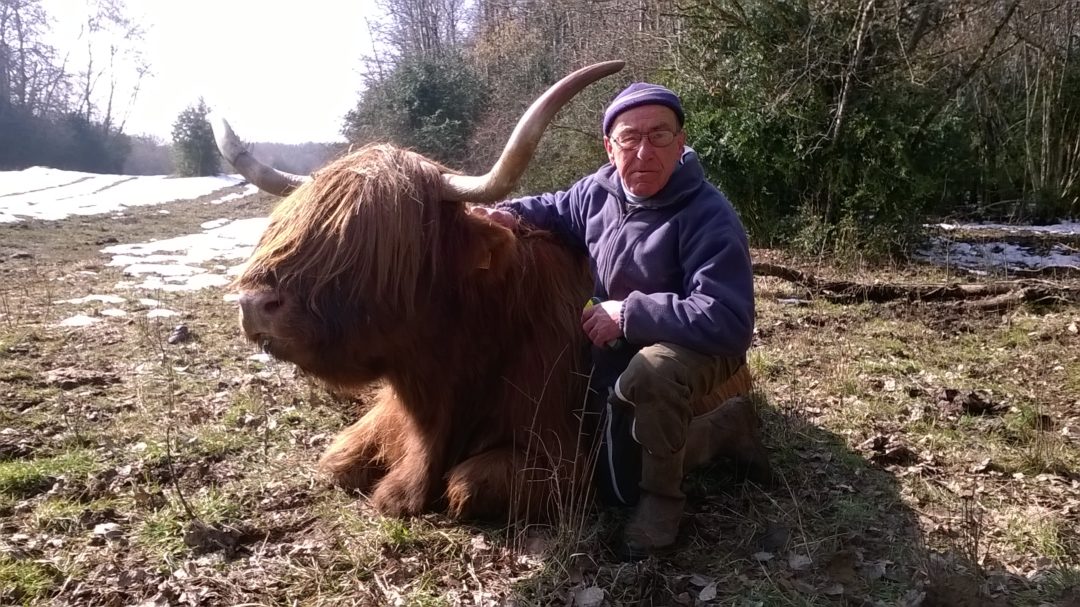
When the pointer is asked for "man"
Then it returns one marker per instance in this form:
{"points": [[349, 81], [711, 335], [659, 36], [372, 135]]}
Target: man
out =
{"points": [[674, 281]]}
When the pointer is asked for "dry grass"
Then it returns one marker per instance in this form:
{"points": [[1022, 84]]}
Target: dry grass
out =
{"points": [[184, 473]]}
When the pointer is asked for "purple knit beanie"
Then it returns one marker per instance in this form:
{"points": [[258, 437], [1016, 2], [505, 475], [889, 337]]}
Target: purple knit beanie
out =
{"points": [[642, 93]]}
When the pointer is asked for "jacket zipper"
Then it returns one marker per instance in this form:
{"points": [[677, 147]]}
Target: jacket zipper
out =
{"points": [[609, 250]]}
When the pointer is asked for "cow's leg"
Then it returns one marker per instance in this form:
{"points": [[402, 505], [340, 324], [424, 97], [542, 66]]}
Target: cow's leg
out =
{"points": [[479, 488], [416, 478], [362, 453], [506, 483]]}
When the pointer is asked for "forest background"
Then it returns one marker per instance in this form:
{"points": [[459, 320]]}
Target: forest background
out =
{"points": [[832, 125]]}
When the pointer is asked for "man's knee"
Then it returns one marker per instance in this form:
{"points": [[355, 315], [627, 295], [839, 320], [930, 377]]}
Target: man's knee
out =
{"points": [[655, 385], [657, 368]]}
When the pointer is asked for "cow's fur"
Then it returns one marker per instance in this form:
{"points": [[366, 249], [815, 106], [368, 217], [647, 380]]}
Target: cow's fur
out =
{"points": [[473, 330]]}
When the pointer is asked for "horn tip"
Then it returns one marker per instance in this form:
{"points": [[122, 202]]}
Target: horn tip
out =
{"points": [[228, 143]]}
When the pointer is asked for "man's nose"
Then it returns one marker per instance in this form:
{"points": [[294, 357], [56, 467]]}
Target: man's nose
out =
{"points": [[646, 150]]}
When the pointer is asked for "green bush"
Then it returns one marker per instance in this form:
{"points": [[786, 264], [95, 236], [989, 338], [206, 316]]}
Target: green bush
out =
{"points": [[764, 119], [426, 103]]}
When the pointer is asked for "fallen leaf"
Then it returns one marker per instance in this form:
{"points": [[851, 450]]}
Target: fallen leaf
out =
{"points": [[841, 567], [699, 580], [593, 596], [799, 562], [833, 590], [708, 593], [762, 556]]}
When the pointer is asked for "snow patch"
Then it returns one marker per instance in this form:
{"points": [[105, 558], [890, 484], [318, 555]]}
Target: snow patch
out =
{"points": [[161, 313], [51, 194], [109, 299], [79, 320]]}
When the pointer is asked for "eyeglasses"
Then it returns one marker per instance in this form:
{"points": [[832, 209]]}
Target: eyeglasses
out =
{"points": [[631, 140]]}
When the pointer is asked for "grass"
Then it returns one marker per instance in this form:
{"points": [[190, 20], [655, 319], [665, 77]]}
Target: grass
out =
{"points": [[162, 530], [239, 441], [24, 582], [66, 516], [1035, 530], [20, 478]]}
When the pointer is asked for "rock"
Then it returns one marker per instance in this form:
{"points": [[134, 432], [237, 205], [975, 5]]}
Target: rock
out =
{"points": [[179, 334], [109, 531]]}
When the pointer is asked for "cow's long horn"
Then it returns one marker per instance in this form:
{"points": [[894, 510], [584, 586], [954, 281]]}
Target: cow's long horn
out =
{"points": [[266, 178], [515, 157]]}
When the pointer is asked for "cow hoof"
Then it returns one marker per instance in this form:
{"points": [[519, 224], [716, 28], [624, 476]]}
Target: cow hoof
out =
{"points": [[398, 495], [357, 479]]}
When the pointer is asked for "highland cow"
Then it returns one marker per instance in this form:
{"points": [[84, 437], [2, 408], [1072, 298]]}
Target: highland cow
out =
{"points": [[374, 271]]}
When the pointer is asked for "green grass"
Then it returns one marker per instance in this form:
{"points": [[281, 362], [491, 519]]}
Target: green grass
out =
{"points": [[24, 582], [162, 530], [63, 515], [1031, 531], [18, 478]]}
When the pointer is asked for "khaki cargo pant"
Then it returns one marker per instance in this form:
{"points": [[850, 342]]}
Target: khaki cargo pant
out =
{"points": [[661, 383]]}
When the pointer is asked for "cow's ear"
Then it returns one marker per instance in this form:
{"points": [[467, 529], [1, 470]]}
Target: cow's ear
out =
{"points": [[488, 246]]}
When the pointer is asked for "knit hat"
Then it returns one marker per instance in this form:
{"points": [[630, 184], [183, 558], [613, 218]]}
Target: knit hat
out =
{"points": [[642, 93]]}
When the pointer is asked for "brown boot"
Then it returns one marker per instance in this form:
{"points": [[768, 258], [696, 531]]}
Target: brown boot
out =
{"points": [[731, 430], [654, 526]]}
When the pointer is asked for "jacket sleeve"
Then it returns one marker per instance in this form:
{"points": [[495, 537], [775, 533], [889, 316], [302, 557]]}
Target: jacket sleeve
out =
{"points": [[717, 315], [559, 213]]}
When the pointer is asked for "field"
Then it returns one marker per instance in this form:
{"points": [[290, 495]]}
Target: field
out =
{"points": [[928, 454]]}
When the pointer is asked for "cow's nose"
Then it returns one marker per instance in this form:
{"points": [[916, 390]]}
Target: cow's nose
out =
{"points": [[259, 305]]}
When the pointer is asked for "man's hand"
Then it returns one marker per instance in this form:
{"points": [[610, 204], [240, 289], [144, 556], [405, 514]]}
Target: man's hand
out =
{"points": [[601, 322], [504, 218]]}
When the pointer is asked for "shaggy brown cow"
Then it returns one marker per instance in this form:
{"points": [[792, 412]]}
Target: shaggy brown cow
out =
{"points": [[374, 271]]}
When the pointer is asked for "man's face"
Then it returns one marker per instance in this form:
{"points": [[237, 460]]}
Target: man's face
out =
{"points": [[645, 167]]}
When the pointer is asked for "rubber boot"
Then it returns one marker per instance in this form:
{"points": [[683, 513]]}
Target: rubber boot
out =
{"points": [[654, 526], [731, 430]]}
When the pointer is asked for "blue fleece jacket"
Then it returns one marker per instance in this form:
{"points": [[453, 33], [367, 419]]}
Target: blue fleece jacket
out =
{"points": [[681, 264]]}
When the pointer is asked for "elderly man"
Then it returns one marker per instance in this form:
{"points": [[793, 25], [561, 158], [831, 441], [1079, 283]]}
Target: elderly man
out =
{"points": [[676, 304]]}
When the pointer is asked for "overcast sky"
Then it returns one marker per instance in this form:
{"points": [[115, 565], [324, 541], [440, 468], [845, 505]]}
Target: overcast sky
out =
{"points": [[284, 72]]}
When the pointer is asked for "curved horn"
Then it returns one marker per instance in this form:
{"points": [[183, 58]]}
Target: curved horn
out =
{"points": [[266, 178], [526, 136]]}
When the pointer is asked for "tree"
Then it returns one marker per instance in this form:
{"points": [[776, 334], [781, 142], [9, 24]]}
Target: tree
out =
{"points": [[428, 103], [193, 142], [52, 116]]}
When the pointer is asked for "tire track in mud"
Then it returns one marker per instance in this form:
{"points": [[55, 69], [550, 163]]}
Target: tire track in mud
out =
{"points": [[51, 187]]}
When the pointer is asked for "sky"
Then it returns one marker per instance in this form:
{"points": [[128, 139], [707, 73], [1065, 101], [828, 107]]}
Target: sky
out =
{"points": [[281, 72]]}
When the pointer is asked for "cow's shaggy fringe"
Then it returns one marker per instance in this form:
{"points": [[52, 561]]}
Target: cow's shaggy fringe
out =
{"points": [[370, 215]]}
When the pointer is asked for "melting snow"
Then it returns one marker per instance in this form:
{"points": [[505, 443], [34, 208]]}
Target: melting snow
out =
{"points": [[1065, 227], [248, 191], [996, 256], [110, 299], [43, 193], [161, 313], [180, 264], [79, 320]]}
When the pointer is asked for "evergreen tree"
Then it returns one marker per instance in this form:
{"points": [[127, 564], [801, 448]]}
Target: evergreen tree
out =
{"points": [[427, 103], [193, 142]]}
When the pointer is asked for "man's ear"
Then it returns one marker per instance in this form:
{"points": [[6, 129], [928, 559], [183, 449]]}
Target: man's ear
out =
{"points": [[609, 150], [488, 246]]}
